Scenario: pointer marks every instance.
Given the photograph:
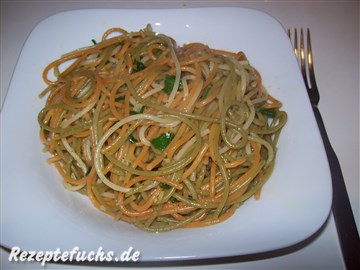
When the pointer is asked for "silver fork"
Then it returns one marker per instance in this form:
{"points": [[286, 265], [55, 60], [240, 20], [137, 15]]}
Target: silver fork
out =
{"points": [[341, 207], [305, 58]]}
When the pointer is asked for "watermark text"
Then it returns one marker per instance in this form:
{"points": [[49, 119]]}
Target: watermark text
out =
{"points": [[74, 255]]}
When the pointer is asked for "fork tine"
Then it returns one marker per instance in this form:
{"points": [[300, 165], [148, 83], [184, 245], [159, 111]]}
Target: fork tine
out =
{"points": [[296, 50], [295, 43], [302, 58], [311, 68], [305, 60]]}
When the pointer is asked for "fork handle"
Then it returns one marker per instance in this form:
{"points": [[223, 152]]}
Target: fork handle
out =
{"points": [[341, 207]]}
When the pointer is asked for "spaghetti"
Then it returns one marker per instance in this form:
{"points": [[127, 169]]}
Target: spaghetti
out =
{"points": [[157, 135]]}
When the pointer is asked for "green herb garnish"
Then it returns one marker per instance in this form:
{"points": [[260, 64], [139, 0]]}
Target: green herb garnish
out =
{"points": [[206, 93], [94, 41], [120, 99], [132, 139], [157, 52], [138, 66], [169, 84], [121, 43], [141, 111], [162, 141], [173, 200], [268, 112], [165, 186]]}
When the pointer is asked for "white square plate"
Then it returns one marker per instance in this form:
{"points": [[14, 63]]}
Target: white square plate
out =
{"points": [[39, 214]]}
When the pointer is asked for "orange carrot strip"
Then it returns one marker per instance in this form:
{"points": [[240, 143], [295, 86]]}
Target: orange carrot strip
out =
{"points": [[220, 219], [212, 182], [144, 205], [235, 163], [196, 162], [274, 103], [113, 30]]}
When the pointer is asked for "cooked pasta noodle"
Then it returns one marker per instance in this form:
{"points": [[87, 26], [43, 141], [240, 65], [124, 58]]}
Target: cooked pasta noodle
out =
{"points": [[157, 135]]}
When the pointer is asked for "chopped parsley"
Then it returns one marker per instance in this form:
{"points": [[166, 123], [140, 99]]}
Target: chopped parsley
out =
{"points": [[132, 139], [162, 141], [138, 66], [169, 84], [268, 112]]}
